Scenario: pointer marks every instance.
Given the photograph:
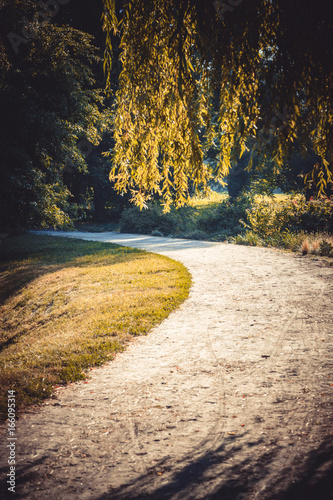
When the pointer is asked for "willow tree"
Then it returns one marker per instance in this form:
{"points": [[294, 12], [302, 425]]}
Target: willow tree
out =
{"points": [[241, 75]]}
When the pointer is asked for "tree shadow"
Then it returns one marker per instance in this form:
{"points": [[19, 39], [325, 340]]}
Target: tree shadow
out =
{"points": [[46, 255], [258, 475], [24, 474], [233, 470], [139, 241], [314, 480]]}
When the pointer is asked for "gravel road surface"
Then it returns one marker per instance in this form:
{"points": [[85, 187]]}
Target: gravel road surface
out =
{"points": [[229, 398]]}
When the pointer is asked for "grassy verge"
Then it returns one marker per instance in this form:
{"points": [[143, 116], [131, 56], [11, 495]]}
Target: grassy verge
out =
{"points": [[67, 305]]}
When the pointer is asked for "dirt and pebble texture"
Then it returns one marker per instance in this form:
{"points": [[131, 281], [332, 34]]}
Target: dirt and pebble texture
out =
{"points": [[229, 398]]}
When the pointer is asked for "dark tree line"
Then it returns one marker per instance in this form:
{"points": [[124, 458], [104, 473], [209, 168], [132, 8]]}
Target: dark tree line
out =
{"points": [[55, 118]]}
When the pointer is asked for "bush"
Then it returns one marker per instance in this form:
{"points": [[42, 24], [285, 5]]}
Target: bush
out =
{"points": [[146, 221], [249, 220], [226, 235], [326, 249], [227, 219], [250, 238], [316, 215], [267, 218], [195, 235]]}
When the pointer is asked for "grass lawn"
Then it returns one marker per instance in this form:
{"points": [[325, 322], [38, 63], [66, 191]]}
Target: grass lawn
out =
{"points": [[67, 305], [214, 199], [211, 201]]}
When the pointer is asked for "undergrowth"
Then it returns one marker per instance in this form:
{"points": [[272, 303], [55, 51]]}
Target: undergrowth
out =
{"points": [[288, 222], [67, 305]]}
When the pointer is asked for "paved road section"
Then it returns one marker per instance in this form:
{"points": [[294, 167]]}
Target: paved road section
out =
{"points": [[229, 398]]}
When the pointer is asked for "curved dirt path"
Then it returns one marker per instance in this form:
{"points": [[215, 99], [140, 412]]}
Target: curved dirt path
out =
{"points": [[229, 398]]}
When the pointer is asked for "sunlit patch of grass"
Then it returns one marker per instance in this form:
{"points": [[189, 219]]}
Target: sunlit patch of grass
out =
{"points": [[215, 198], [281, 197], [67, 305], [211, 201]]}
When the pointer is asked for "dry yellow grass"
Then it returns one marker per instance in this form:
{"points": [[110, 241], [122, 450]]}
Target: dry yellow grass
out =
{"points": [[67, 305], [305, 248], [318, 244]]}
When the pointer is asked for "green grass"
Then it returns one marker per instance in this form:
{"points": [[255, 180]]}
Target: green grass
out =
{"points": [[67, 305]]}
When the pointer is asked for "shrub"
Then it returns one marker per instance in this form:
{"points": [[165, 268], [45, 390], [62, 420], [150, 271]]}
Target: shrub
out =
{"points": [[156, 233], [226, 235], [288, 240], [134, 220], [305, 247], [269, 217], [325, 248], [293, 223], [249, 238], [195, 235], [146, 221], [316, 215], [226, 219], [315, 247]]}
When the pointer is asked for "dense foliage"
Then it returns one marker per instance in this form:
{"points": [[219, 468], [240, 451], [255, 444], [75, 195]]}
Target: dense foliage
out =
{"points": [[53, 119], [153, 221], [198, 92], [249, 219], [295, 214], [48, 105], [249, 75]]}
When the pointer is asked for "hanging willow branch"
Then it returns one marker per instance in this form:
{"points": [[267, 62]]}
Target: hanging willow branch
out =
{"points": [[194, 74]]}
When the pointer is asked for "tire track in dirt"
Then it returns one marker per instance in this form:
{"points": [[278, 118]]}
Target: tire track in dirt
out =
{"points": [[228, 398]]}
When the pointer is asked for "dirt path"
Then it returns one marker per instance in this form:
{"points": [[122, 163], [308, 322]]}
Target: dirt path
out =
{"points": [[229, 398]]}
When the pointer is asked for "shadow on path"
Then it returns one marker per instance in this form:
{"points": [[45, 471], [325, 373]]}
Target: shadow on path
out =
{"points": [[140, 241], [311, 478], [239, 467]]}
